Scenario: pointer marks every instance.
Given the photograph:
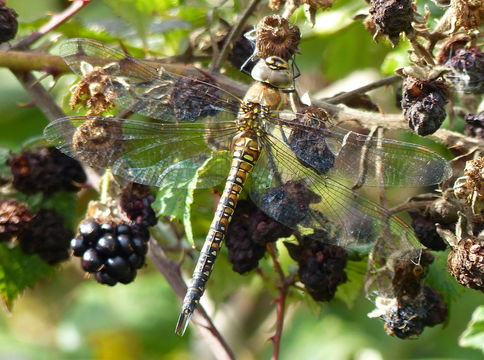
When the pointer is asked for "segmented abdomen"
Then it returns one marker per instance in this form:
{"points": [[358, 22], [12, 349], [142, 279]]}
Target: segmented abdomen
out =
{"points": [[246, 150]]}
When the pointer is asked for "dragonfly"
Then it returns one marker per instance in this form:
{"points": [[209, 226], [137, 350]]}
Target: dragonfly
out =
{"points": [[298, 168]]}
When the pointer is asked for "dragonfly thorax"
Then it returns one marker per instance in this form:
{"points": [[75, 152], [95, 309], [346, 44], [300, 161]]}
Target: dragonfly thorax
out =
{"points": [[251, 117]]}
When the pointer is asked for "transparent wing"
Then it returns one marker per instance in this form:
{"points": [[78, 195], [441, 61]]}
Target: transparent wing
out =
{"points": [[358, 159], [298, 197], [142, 152], [147, 88]]}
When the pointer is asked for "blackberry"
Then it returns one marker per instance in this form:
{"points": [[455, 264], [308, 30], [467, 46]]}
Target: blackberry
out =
{"points": [[47, 237], [475, 125], [194, 98], [467, 70], [136, 203], [290, 202], [8, 23], [250, 230], [426, 232], [14, 217], [321, 266], [466, 263], [45, 170], [310, 146], [392, 17], [113, 252], [423, 102], [408, 318]]}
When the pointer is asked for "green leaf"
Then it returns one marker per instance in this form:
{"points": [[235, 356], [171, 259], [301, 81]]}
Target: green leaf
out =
{"points": [[212, 169], [473, 336], [351, 289], [441, 280], [395, 59], [19, 271]]}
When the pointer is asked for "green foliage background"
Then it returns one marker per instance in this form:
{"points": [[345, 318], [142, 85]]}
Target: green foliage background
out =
{"points": [[66, 317]]}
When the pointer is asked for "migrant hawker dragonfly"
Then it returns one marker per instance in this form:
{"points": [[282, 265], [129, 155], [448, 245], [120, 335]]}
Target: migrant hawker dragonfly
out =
{"points": [[279, 157]]}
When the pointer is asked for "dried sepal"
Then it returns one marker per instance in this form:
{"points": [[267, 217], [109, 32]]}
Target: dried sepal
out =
{"points": [[14, 217]]}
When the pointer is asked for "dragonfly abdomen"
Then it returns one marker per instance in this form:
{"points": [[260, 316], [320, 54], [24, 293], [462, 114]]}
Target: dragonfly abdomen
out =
{"points": [[246, 151]]}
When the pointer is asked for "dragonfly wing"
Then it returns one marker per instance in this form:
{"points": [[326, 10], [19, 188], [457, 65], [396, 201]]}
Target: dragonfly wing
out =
{"points": [[142, 152], [146, 87], [357, 158], [298, 197]]}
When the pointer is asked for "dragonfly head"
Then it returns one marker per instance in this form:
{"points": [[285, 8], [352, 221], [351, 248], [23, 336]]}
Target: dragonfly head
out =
{"points": [[273, 70]]}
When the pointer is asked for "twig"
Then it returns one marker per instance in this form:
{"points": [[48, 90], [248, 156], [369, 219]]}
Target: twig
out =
{"points": [[170, 270], [233, 35], [363, 165], [285, 282], [55, 21], [337, 99], [367, 119], [39, 95]]}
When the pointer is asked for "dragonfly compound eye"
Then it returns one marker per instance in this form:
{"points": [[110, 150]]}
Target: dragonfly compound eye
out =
{"points": [[273, 71]]}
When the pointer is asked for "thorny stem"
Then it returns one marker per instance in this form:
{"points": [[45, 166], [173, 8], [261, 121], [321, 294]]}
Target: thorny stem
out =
{"points": [[55, 21], [171, 271], [337, 99], [233, 35], [280, 300]]}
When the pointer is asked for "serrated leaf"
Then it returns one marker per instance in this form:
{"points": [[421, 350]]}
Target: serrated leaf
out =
{"points": [[473, 336], [349, 291], [19, 271]]}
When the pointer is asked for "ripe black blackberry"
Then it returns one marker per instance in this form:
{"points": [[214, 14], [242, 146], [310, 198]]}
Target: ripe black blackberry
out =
{"points": [[321, 266], [113, 252], [475, 125], [14, 217], [47, 237], [8, 23], [423, 102], [392, 17], [249, 232], [45, 170]]}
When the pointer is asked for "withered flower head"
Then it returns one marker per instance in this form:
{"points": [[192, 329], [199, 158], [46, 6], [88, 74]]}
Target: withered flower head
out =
{"points": [[95, 90], [14, 217], [466, 263], [98, 141], [275, 36], [467, 13], [470, 187]]}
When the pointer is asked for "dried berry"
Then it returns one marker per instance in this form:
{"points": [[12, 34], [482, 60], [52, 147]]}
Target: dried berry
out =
{"points": [[475, 125], [467, 70], [8, 23], [309, 144], [450, 47], [194, 98], [136, 202], [112, 251], [423, 102], [275, 36], [426, 232], [392, 17], [47, 237], [241, 51], [436, 308], [466, 263], [14, 217], [250, 230], [321, 266], [45, 170]]}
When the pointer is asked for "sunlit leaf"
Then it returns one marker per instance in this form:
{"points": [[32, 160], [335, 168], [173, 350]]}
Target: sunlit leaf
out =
{"points": [[473, 336]]}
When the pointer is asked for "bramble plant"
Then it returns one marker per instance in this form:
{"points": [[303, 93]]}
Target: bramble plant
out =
{"points": [[121, 191]]}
